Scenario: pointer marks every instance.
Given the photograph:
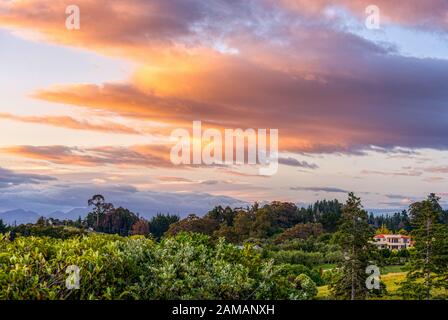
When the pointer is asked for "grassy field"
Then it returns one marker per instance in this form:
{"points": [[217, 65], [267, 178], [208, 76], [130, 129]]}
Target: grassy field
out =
{"points": [[384, 270], [391, 275], [327, 266], [392, 269], [391, 280]]}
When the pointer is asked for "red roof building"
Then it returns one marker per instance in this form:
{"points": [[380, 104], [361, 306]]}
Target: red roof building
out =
{"points": [[392, 241]]}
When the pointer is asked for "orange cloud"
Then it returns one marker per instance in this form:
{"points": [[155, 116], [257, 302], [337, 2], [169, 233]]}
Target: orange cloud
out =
{"points": [[72, 123], [134, 29], [254, 65], [136, 156], [342, 114]]}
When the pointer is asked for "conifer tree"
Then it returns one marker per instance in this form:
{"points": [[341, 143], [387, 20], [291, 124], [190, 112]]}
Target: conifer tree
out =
{"points": [[354, 237], [428, 266], [3, 226]]}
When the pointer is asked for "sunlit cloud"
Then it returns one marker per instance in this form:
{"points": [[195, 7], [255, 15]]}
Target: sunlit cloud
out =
{"points": [[72, 123], [147, 156], [339, 87]]}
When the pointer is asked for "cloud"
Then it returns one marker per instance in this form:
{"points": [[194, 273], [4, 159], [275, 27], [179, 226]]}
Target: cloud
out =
{"points": [[398, 200], [185, 180], [175, 179], [155, 155], [10, 178], [289, 65], [126, 100], [396, 204], [210, 182], [439, 169], [433, 179], [104, 23], [72, 123], [442, 194], [411, 173], [296, 163], [320, 189], [349, 113], [396, 196], [146, 202], [117, 27], [144, 155], [136, 28], [292, 68], [428, 14], [241, 174]]}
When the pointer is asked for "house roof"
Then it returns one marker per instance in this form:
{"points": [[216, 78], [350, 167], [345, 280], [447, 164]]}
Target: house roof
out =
{"points": [[391, 236]]}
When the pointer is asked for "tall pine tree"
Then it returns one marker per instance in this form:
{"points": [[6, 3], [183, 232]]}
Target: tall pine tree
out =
{"points": [[354, 237], [428, 266]]}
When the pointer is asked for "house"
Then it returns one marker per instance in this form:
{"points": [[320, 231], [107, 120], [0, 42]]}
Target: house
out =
{"points": [[392, 241]]}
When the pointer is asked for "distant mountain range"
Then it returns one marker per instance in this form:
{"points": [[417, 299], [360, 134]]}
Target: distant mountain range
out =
{"points": [[73, 214], [20, 216]]}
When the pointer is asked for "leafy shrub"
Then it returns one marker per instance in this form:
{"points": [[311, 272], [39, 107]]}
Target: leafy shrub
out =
{"points": [[60, 232], [186, 266], [306, 288], [301, 231], [294, 270], [298, 257]]}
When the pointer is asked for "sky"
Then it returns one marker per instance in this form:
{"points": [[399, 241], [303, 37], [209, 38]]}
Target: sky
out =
{"points": [[91, 110]]}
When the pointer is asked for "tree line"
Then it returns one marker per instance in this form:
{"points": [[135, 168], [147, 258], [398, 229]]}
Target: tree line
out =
{"points": [[287, 232]]}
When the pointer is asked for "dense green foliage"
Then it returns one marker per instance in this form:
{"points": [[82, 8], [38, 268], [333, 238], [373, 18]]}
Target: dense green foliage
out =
{"points": [[61, 232], [107, 219], [274, 251], [281, 219], [188, 266], [160, 224], [396, 222], [301, 231]]}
